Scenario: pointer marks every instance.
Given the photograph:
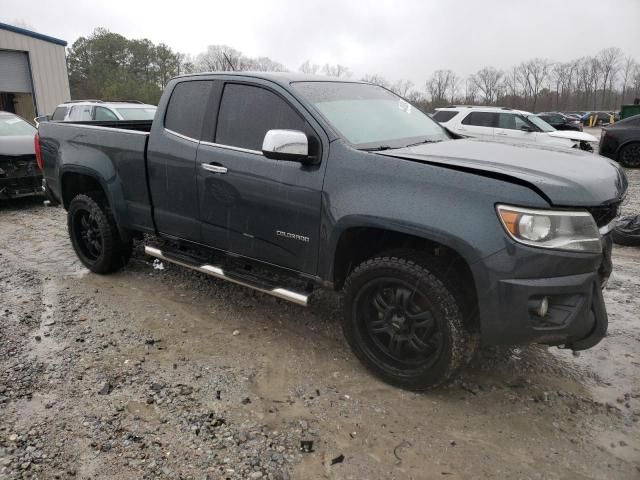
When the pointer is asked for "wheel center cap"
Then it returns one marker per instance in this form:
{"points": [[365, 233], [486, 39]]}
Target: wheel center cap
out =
{"points": [[398, 322]]}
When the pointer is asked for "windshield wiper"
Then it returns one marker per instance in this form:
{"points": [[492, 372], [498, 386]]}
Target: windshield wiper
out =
{"points": [[421, 142], [379, 148]]}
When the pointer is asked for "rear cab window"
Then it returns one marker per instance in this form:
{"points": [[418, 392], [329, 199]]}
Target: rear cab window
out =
{"points": [[187, 107], [248, 112], [444, 115]]}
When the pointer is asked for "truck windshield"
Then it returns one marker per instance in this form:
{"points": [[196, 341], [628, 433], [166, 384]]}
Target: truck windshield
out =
{"points": [[12, 126], [137, 113], [370, 117]]}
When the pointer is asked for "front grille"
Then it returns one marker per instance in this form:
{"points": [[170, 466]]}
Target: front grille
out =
{"points": [[605, 214]]}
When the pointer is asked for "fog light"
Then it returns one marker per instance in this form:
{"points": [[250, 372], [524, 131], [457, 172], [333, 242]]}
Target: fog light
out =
{"points": [[539, 307]]}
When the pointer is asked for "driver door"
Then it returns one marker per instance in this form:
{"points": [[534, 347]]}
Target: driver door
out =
{"points": [[251, 205]]}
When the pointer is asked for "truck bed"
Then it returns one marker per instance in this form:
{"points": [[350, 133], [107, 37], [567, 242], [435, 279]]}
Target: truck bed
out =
{"points": [[117, 150], [136, 125]]}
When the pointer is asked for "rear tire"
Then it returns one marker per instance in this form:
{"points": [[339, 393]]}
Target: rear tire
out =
{"points": [[402, 320], [629, 156], [94, 234]]}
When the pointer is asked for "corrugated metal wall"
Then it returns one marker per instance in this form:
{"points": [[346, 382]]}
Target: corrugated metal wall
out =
{"points": [[48, 69]]}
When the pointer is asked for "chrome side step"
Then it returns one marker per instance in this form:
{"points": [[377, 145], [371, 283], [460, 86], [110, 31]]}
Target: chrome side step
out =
{"points": [[217, 272]]}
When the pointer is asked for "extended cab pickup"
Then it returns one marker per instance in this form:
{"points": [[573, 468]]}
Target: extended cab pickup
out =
{"points": [[284, 182]]}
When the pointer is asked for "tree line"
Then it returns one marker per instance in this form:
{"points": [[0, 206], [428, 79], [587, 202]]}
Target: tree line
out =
{"points": [[108, 66]]}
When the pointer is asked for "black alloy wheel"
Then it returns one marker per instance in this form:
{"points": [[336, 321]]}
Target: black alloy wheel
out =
{"points": [[404, 320], [630, 156], [399, 323], [87, 231]]}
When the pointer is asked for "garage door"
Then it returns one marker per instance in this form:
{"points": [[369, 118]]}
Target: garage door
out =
{"points": [[14, 72]]}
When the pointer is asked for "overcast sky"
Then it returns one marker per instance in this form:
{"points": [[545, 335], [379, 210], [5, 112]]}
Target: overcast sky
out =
{"points": [[397, 39]]}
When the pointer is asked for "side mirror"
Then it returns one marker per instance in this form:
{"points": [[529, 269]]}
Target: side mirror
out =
{"points": [[526, 128], [292, 145]]}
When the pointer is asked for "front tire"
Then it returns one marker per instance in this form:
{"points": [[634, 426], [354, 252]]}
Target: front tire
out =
{"points": [[403, 322], [629, 156], [94, 235]]}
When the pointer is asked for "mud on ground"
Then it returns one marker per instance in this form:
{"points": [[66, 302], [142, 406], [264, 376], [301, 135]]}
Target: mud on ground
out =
{"points": [[168, 374]]}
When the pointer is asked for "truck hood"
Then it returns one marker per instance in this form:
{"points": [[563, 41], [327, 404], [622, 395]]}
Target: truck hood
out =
{"points": [[573, 135], [564, 177], [20, 145]]}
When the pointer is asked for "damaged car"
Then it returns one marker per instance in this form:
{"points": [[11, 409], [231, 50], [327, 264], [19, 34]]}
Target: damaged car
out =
{"points": [[507, 125], [288, 183], [19, 172]]}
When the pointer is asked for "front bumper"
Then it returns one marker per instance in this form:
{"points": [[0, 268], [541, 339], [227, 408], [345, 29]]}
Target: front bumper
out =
{"points": [[571, 282]]}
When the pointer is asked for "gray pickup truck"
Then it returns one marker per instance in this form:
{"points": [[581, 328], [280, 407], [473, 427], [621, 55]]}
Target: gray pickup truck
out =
{"points": [[285, 183]]}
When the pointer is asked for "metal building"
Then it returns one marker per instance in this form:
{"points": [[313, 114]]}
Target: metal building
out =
{"points": [[33, 72]]}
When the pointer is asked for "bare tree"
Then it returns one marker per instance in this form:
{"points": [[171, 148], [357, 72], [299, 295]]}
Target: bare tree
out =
{"points": [[402, 87], [336, 70], [535, 74], [219, 58], [470, 91], [308, 67], [636, 82], [262, 64], [609, 60], [438, 86], [487, 80], [628, 68], [454, 85], [376, 80]]}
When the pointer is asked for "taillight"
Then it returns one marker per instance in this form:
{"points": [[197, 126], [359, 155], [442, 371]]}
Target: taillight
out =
{"points": [[36, 144]]}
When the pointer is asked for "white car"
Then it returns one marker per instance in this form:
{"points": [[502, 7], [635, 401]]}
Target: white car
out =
{"points": [[97, 110], [505, 124]]}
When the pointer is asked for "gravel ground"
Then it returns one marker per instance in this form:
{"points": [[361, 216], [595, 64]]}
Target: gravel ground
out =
{"points": [[164, 373]]}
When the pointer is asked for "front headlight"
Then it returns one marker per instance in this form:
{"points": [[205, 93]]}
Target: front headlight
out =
{"points": [[558, 229]]}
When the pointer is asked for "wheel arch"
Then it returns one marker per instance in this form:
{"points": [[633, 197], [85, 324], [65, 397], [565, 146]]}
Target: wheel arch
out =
{"points": [[76, 180], [625, 144], [357, 243]]}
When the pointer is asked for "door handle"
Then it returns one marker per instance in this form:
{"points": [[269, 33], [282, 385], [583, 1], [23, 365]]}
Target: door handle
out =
{"points": [[214, 167]]}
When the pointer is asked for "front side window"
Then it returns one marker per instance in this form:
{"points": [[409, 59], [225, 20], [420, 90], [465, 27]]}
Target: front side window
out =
{"points": [[13, 126], [81, 113], [511, 121], [481, 119], [248, 112], [104, 114], [186, 108], [370, 117], [137, 113]]}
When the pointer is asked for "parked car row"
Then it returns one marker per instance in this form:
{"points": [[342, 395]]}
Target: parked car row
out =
{"points": [[506, 124], [19, 172], [97, 110], [560, 121], [621, 142]]}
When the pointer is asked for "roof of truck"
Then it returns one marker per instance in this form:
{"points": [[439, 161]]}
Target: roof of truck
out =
{"points": [[282, 78]]}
